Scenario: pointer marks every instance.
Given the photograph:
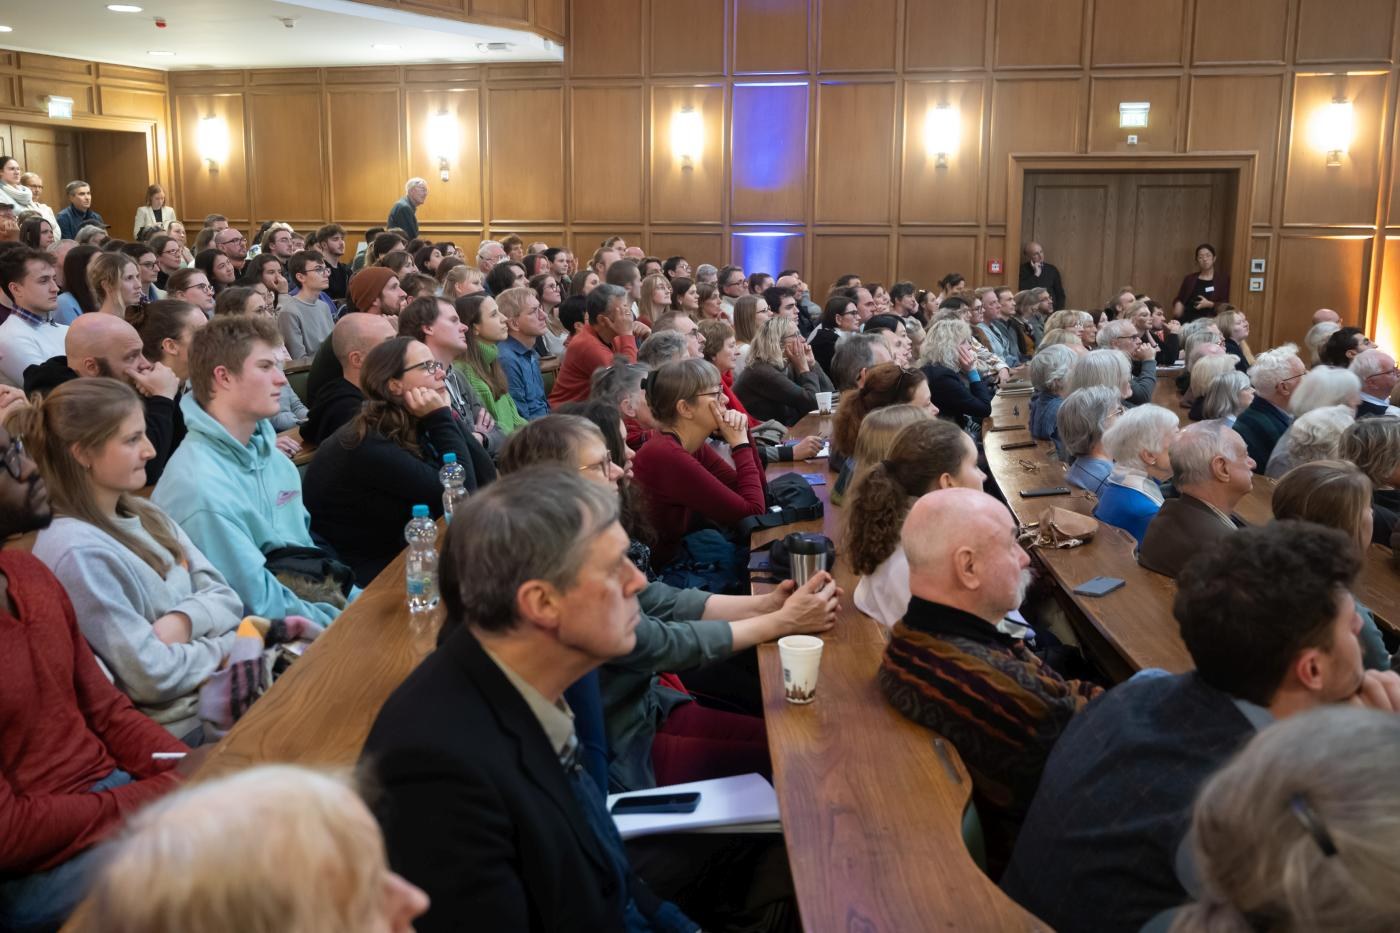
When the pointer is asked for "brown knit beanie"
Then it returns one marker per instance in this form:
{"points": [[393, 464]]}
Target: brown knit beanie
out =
{"points": [[367, 285]]}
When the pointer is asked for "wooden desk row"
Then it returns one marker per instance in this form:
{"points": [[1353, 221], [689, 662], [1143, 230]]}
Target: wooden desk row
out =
{"points": [[871, 812]]}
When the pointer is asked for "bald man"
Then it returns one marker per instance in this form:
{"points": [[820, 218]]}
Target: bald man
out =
{"points": [[336, 402], [1326, 316], [105, 345], [954, 666]]}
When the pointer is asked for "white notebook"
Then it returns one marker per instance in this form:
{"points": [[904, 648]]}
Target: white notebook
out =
{"points": [[745, 803]]}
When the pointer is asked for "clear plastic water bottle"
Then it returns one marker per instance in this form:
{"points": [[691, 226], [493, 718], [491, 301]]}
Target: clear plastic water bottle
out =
{"points": [[421, 571], [454, 484]]}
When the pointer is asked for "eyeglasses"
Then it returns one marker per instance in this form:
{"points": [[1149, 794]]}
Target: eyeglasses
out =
{"points": [[14, 458], [147, 264], [1291, 378], [202, 286], [238, 239], [431, 367], [712, 393], [601, 466]]}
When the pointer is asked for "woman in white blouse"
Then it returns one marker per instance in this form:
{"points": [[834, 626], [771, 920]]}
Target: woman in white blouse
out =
{"points": [[154, 213]]}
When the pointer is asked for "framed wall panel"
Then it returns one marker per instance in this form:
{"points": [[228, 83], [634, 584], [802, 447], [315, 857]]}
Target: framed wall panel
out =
{"points": [[284, 122], [948, 35], [949, 194], [835, 254], [856, 35], [698, 48], [768, 153], [1030, 115], [697, 246], [1217, 41], [1314, 193], [1039, 33], [1318, 272], [457, 200], [1138, 34], [605, 39], [770, 36], [606, 148], [769, 251], [223, 188], [525, 160], [1345, 30], [924, 259], [854, 118], [360, 161], [681, 193], [1160, 134], [1240, 113]]}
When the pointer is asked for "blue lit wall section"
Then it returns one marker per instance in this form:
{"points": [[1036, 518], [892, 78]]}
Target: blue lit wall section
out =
{"points": [[769, 145], [768, 251]]}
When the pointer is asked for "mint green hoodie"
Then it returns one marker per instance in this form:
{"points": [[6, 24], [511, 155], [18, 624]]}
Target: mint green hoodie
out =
{"points": [[238, 503]]}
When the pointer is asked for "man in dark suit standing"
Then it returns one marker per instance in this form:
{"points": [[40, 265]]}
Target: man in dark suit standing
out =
{"points": [[484, 802], [1268, 618], [1212, 471], [1037, 273]]}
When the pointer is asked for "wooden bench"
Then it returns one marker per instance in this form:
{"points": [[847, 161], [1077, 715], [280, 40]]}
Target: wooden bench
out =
{"points": [[872, 812]]}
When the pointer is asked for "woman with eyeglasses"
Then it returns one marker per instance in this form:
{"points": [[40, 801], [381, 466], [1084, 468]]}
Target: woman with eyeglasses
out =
{"points": [[192, 285], [170, 257], [1081, 421], [366, 478], [781, 380], [839, 320], [684, 479], [551, 295]]}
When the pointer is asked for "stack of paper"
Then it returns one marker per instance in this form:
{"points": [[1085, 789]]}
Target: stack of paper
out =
{"points": [[746, 803]]}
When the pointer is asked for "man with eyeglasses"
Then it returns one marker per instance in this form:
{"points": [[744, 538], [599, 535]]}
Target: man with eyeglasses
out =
{"points": [[732, 287], [234, 245], [78, 758], [1122, 335], [28, 337], [306, 320], [609, 331], [1376, 370], [1275, 376]]}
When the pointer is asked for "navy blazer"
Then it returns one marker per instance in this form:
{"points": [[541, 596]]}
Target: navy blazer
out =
{"points": [[957, 398], [1261, 425], [1370, 410]]}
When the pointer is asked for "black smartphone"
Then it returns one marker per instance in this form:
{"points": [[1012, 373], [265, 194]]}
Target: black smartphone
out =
{"points": [[1019, 445], [1007, 427], [1044, 491], [656, 803], [1099, 586]]}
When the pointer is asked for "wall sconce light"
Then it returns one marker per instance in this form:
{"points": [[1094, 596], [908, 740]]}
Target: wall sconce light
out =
{"points": [[687, 136], [213, 141], [1133, 114], [442, 141], [942, 131], [1332, 128]]}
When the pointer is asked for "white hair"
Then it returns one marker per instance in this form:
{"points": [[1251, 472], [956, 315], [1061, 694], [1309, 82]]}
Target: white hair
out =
{"points": [[1322, 387], [485, 248], [1317, 434], [1207, 368], [1272, 367], [1080, 419], [1050, 368], [1113, 330], [1317, 336], [1371, 362], [1140, 429], [941, 345], [1195, 449], [1222, 398], [414, 183], [1102, 368]]}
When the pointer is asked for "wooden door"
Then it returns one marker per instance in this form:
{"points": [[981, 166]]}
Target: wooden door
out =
{"points": [[52, 153], [118, 169], [1105, 230]]}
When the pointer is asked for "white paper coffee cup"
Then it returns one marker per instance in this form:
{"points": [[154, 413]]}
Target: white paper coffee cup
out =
{"points": [[824, 402], [801, 656]]}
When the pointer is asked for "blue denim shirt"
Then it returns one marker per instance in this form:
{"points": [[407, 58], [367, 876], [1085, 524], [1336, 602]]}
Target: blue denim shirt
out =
{"points": [[522, 366]]}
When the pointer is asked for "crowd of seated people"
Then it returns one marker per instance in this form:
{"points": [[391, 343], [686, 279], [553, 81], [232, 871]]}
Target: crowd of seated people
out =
{"points": [[616, 417]]}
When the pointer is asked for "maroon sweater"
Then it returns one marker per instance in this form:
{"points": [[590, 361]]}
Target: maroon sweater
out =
{"points": [[680, 486], [65, 728]]}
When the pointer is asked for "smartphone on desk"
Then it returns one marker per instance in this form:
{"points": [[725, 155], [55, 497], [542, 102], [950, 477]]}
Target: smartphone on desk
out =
{"points": [[1099, 586], [1019, 445], [656, 803], [1044, 491]]}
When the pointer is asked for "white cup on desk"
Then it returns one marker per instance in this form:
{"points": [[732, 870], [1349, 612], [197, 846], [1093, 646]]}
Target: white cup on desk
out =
{"points": [[801, 657], [824, 402]]}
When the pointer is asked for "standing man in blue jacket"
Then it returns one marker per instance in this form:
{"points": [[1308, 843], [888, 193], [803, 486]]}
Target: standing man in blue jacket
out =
{"points": [[404, 213]]}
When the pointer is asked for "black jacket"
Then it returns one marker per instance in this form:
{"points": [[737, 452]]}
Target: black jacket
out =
{"points": [[1049, 279], [824, 343], [476, 808], [956, 398], [338, 401], [771, 394], [360, 498]]}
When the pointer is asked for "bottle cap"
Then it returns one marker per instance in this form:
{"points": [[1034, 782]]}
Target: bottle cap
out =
{"points": [[420, 511], [448, 458]]}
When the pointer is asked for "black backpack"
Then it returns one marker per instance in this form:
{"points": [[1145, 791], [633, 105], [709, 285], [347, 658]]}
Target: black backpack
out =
{"points": [[790, 499]]}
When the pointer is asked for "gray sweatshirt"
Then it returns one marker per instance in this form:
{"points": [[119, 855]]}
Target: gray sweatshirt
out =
{"points": [[117, 597], [304, 326]]}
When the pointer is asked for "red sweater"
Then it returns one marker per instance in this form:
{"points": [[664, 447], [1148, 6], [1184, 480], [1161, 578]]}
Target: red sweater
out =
{"points": [[587, 352], [681, 486], [65, 728], [726, 381]]}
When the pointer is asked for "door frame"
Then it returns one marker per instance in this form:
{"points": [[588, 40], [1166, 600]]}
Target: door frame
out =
{"points": [[91, 121], [1241, 164]]}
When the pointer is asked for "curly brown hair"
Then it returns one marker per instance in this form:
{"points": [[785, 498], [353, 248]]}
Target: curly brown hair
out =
{"points": [[880, 499], [885, 384]]}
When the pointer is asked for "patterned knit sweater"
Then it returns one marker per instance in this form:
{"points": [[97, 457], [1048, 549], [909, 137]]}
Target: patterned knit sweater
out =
{"points": [[999, 704]]}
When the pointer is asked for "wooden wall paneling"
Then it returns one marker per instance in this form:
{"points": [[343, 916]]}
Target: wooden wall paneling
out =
{"points": [[856, 35], [687, 37], [768, 153], [1345, 30], [926, 258], [505, 9], [284, 77], [605, 38], [35, 91], [457, 200], [995, 246], [1219, 40], [1256, 305], [117, 166], [945, 36], [550, 15], [525, 155], [52, 152], [949, 194], [1062, 212], [770, 36], [1138, 34], [1160, 134], [585, 242], [32, 61], [9, 96], [1387, 314], [606, 150], [680, 194], [1029, 116], [835, 254], [439, 6], [1039, 33], [289, 182], [366, 175], [1318, 272], [760, 251], [223, 188], [696, 246], [854, 119], [1314, 194], [1239, 113], [106, 74], [144, 105], [1167, 215]]}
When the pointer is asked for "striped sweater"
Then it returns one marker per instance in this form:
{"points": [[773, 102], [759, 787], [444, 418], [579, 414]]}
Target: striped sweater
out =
{"points": [[999, 704]]}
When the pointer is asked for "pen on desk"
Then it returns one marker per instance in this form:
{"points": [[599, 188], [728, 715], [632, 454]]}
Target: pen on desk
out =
{"points": [[941, 747], [167, 756]]}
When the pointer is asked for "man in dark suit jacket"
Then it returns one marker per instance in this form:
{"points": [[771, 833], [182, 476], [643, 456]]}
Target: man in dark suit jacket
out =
{"points": [[1270, 624], [484, 803], [1275, 376], [1378, 375], [1037, 273], [1212, 470]]}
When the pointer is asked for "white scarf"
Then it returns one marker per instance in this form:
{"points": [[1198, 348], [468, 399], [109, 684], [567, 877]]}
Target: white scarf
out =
{"points": [[21, 195]]}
